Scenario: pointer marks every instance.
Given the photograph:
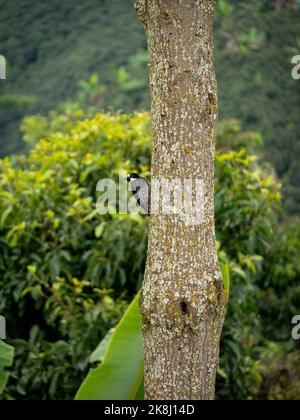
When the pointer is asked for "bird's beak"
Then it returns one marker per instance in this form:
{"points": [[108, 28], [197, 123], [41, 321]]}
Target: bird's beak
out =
{"points": [[128, 179]]}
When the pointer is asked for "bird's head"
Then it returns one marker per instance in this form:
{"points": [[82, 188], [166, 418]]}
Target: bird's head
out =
{"points": [[132, 177]]}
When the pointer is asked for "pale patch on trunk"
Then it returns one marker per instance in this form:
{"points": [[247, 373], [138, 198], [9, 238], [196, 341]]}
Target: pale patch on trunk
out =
{"points": [[183, 301]]}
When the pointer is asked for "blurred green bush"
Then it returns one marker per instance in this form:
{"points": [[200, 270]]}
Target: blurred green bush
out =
{"points": [[67, 273]]}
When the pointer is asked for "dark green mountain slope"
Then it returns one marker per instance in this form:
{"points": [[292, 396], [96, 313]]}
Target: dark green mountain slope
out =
{"points": [[51, 46]]}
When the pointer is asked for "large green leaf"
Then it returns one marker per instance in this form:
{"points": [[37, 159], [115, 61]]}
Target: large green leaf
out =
{"points": [[120, 375], [6, 359]]}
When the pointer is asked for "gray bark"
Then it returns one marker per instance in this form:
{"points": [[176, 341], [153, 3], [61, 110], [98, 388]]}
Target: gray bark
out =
{"points": [[183, 301]]}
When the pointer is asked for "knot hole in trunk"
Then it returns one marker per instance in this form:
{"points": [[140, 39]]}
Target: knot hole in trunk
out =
{"points": [[184, 307]]}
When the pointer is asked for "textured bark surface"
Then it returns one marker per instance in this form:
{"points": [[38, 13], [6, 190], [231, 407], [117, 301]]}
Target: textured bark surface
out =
{"points": [[183, 301]]}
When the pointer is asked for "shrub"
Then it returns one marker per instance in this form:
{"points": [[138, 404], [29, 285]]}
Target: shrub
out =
{"points": [[66, 272]]}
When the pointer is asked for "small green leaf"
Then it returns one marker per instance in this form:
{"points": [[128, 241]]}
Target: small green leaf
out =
{"points": [[6, 354], [241, 273], [3, 380], [226, 277], [31, 269], [99, 230], [222, 373], [4, 216], [6, 360]]}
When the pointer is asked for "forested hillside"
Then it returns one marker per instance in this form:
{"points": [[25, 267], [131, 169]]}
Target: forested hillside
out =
{"points": [[51, 46]]}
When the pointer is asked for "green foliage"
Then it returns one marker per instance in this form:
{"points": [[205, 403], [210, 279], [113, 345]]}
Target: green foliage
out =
{"points": [[280, 286], [120, 375], [247, 200], [57, 269], [224, 8], [17, 102], [66, 271], [225, 270], [282, 378], [6, 360]]}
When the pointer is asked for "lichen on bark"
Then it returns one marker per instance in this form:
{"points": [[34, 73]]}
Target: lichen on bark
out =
{"points": [[183, 301]]}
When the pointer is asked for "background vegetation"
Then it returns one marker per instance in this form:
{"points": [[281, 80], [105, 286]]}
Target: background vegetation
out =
{"points": [[70, 40], [67, 274]]}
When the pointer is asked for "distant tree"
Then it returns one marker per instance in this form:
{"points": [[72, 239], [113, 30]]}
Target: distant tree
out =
{"points": [[183, 300]]}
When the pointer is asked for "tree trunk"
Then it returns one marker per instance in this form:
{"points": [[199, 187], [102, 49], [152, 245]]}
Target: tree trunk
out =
{"points": [[183, 300]]}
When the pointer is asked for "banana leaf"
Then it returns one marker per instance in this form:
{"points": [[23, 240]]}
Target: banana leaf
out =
{"points": [[120, 376]]}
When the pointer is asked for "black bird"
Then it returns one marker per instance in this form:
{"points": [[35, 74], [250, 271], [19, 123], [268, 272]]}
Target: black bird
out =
{"points": [[140, 188]]}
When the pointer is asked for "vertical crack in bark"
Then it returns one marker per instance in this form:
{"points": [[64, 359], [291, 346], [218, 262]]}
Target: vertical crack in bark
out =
{"points": [[183, 300]]}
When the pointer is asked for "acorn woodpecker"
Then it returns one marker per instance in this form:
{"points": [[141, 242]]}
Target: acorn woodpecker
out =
{"points": [[140, 188]]}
